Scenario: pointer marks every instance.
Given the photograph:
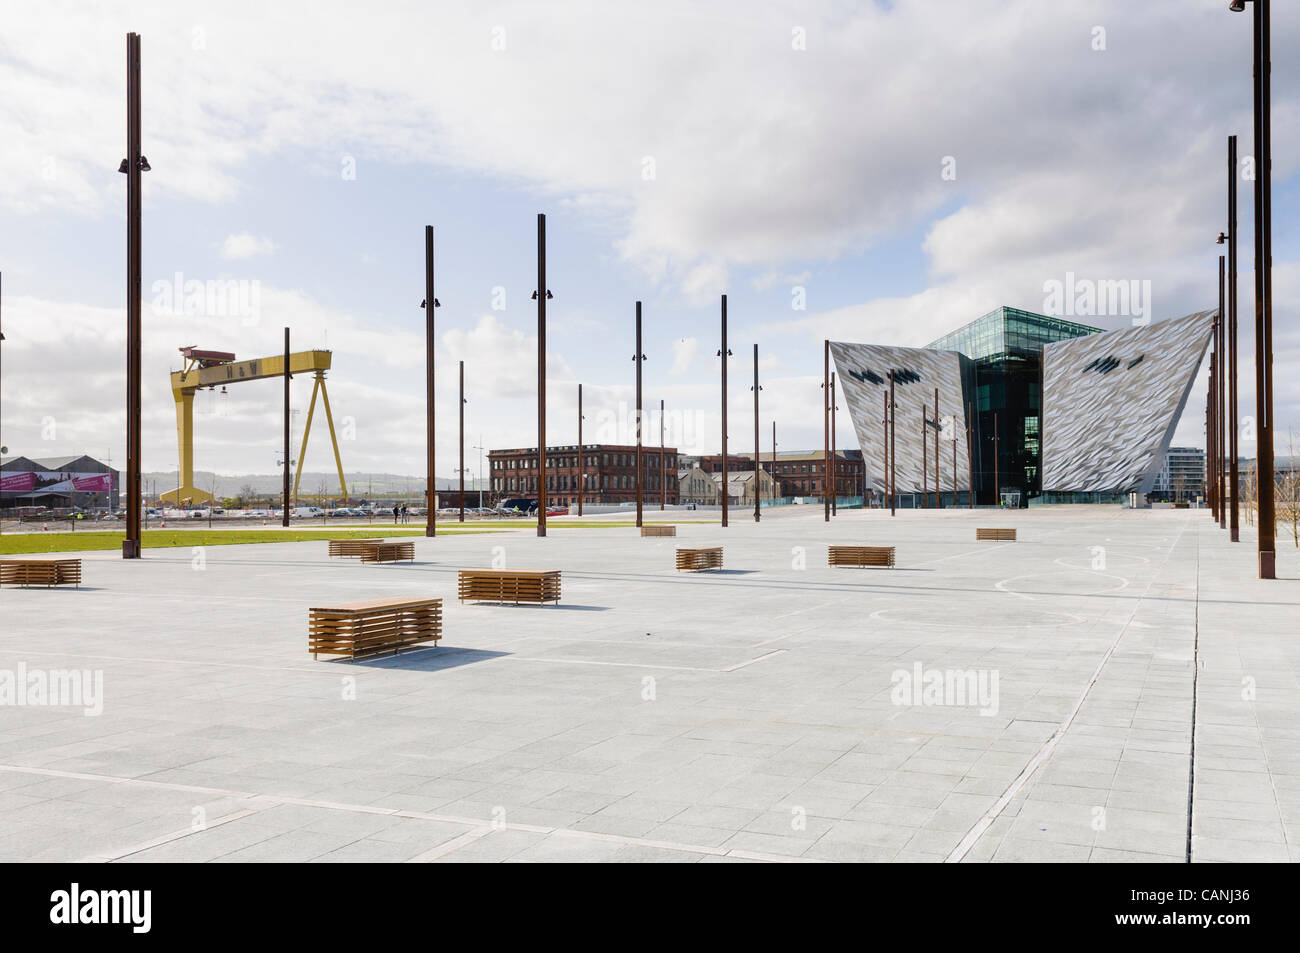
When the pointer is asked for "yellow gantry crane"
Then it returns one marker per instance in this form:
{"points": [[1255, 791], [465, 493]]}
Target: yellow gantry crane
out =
{"points": [[218, 368]]}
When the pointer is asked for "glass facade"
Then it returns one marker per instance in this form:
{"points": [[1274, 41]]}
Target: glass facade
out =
{"points": [[1006, 348]]}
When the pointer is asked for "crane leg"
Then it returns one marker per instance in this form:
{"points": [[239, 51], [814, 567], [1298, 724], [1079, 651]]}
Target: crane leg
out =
{"points": [[306, 431], [329, 419]]}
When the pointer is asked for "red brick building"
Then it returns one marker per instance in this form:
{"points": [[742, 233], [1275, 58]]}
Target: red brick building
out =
{"points": [[798, 473], [609, 471]]}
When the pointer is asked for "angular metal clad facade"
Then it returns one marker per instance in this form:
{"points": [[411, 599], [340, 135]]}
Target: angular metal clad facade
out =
{"points": [[863, 382], [1111, 402]]}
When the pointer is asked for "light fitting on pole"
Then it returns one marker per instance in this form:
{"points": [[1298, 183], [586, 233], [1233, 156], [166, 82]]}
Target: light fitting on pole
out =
{"points": [[1237, 6], [1221, 239], [424, 303], [549, 296]]}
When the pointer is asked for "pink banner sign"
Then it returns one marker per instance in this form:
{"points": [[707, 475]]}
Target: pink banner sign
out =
{"points": [[100, 483], [17, 482]]}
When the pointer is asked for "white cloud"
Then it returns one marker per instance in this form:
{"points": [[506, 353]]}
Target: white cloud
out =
{"points": [[241, 246], [684, 350], [768, 160]]}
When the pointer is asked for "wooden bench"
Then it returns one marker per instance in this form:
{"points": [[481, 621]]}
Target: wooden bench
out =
{"points": [[509, 585], [698, 558], [40, 572], [349, 547], [650, 529], [860, 556], [362, 629], [386, 551], [995, 533]]}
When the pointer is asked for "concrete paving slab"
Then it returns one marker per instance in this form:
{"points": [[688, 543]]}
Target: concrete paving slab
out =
{"points": [[659, 716]]}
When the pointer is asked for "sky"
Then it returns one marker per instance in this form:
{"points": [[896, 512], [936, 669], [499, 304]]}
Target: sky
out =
{"points": [[877, 172]]}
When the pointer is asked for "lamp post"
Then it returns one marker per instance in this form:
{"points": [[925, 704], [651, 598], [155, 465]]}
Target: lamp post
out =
{"points": [[723, 354], [925, 459], [1220, 385], [893, 446], [582, 457], [826, 424], [541, 295], [479, 448], [462, 441], [938, 497], [884, 438], [639, 359], [970, 454], [758, 466], [1263, 283], [430, 305], [663, 460], [133, 165], [1233, 517], [997, 498], [833, 470], [284, 519]]}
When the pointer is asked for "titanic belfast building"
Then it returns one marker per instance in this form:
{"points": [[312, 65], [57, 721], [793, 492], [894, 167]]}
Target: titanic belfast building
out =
{"points": [[1020, 405]]}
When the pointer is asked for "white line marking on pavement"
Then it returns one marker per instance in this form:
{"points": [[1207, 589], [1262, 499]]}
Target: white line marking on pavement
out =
{"points": [[264, 801]]}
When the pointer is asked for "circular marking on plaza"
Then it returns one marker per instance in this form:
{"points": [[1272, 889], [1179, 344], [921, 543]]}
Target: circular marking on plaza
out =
{"points": [[1070, 582], [988, 620], [1114, 560]]}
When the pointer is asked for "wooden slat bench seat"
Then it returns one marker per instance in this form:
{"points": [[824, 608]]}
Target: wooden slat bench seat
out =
{"points": [[349, 547], [860, 556], [1004, 533], [509, 585], [700, 557], [661, 529], [386, 550], [362, 629], [40, 572]]}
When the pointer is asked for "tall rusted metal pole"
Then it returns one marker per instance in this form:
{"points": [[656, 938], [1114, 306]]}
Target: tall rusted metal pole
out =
{"points": [[133, 167], [1265, 480], [640, 469], [970, 454], [1221, 398], [582, 456], [758, 464], [884, 441], [430, 468], [1209, 439], [462, 442], [997, 440], [925, 462], [826, 425], [893, 446], [1234, 527], [284, 518], [835, 461], [542, 294], [938, 496], [954, 462], [663, 460], [722, 354], [641, 475]]}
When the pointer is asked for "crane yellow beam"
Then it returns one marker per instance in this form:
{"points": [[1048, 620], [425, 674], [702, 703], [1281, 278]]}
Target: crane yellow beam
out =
{"points": [[195, 377]]}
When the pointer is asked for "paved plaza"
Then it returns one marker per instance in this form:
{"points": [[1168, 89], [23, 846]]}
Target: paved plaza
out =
{"points": [[777, 710]]}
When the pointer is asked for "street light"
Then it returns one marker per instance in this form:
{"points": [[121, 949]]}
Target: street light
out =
{"points": [[480, 472], [1263, 283]]}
